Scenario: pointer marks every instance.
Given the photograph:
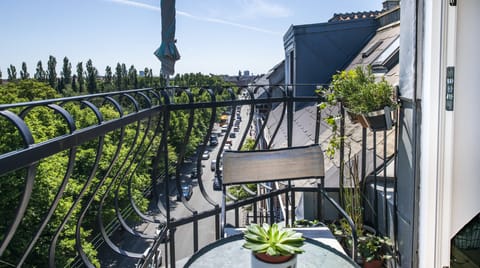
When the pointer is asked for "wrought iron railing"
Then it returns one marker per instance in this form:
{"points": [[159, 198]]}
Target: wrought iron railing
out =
{"points": [[91, 180]]}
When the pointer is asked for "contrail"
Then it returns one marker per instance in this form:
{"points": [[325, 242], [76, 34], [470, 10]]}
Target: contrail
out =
{"points": [[188, 15]]}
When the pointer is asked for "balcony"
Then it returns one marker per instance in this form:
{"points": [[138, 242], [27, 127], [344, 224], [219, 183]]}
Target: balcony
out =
{"points": [[97, 179]]}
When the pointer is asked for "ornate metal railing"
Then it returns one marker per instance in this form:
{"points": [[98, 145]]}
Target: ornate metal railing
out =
{"points": [[92, 180], [81, 176]]}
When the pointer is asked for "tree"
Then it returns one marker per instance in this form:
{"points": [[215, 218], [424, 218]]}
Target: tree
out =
{"points": [[23, 73], [80, 76], [74, 83], [91, 77], [108, 74], [40, 74], [132, 77], [66, 71], [118, 76], [1, 80], [12, 73], [52, 73], [124, 76]]}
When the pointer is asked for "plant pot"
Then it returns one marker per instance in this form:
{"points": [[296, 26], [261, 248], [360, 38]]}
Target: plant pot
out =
{"points": [[378, 120], [354, 118], [373, 264], [261, 260]]}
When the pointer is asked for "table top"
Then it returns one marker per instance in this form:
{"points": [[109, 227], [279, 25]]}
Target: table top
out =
{"points": [[228, 252]]}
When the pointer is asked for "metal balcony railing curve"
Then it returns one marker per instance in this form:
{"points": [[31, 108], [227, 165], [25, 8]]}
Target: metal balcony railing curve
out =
{"points": [[98, 180], [85, 174]]}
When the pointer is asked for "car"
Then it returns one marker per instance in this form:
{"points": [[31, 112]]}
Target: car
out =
{"points": [[206, 155], [224, 128], [195, 173], [236, 129], [187, 191], [213, 164], [213, 140], [232, 135], [227, 147], [217, 183]]}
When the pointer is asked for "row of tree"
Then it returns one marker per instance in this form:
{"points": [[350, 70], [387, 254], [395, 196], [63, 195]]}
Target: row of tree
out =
{"points": [[45, 125], [86, 78]]}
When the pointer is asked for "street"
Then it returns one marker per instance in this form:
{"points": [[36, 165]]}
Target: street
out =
{"points": [[206, 229]]}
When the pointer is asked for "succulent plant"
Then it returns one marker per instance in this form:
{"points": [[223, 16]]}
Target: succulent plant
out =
{"points": [[273, 240]]}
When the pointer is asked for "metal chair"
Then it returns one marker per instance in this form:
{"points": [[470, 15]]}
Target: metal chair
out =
{"points": [[293, 163]]}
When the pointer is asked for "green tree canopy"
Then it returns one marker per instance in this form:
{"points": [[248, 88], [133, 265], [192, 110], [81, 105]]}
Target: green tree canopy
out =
{"points": [[132, 77], [80, 79], [66, 71], [118, 76], [40, 74], [12, 73], [91, 77], [52, 72], [24, 73]]}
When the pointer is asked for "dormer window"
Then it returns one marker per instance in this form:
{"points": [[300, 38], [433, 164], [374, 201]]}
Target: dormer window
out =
{"points": [[388, 58]]}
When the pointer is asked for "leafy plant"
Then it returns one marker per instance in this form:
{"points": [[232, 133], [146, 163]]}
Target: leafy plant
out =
{"points": [[307, 223], [372, 247], [359, 93], [273, 240]]}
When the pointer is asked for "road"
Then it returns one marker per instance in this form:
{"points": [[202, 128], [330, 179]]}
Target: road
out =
{"points": [[206, 228]]}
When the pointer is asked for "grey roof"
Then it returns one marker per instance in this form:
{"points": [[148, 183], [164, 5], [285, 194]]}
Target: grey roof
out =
{"points": [[305, 117]]}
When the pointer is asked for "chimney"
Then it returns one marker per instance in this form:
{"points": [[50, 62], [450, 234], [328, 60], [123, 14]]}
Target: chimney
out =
{"points": [[389, 4]]}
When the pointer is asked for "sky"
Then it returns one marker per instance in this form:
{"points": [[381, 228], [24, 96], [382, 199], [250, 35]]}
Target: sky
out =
{"points": [[213, 36]]}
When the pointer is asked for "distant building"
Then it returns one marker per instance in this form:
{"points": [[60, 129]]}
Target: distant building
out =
{"points": [[240, 79]]}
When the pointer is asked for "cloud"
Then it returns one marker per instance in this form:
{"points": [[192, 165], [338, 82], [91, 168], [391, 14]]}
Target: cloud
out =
{"points": [[136, 4], [264, 8], [200, 18], [224, 22]]}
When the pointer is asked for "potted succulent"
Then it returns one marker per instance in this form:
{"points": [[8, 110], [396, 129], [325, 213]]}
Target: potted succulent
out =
{"points": [[374, 250], [273, 246]]}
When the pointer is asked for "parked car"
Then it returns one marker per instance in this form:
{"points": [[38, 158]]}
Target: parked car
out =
{"points": [[217, 183], [195, 173], [187, 191], [206, 155], [213, 140], [213, 164]]}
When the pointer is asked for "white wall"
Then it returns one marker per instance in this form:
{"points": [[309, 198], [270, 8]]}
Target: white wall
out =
{"points": [[466, 163]]}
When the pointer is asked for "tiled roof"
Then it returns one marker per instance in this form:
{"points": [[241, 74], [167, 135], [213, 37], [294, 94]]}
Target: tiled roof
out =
{"points": [[304, 120], [354, 15]]}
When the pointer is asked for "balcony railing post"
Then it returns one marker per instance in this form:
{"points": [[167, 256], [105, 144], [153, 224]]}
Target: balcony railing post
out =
{"points": [[290, 108], [341, 179]]}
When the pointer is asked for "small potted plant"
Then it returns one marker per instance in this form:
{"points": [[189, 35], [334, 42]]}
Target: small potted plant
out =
{"points": [[374, 250], [365, 100], [273, 246]]}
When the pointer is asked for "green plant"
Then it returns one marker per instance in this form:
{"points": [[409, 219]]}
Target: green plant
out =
{"points": [[372, 247], [359, 93], [272, 240], [306, 223]]}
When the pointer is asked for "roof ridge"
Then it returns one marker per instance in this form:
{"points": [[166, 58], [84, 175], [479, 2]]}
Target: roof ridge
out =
{"points": [[355, 15]]}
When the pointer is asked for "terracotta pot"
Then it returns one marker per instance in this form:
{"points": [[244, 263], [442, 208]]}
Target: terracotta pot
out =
{"points": [[373, 264], [272, 259]]}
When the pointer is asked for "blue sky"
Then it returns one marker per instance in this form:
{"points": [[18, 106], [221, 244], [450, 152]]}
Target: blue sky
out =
{"points": [[213, 36]]}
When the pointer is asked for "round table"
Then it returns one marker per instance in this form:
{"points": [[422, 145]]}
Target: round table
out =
{"points": [[228, 252]]}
